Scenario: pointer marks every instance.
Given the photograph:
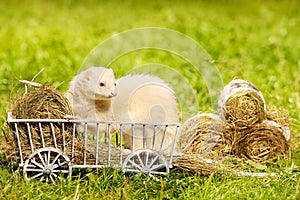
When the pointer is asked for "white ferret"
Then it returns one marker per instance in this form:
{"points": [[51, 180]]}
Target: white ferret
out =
{"points": [[90, 94], [96, 95]]}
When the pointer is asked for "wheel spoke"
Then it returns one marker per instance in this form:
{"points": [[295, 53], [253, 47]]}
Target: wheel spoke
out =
{"points": [[48, 161], [146, 159], [157, 167], [156, 172], [36, 176], [37, 164], [55, 166], [46, 158], [136, 165], [52, 179], [62, 171], [142, 164], [41, 158], [56, 176], [153, 161], [33, 170], [60, 165], [133, 170], [64, 163], [55, 159]]}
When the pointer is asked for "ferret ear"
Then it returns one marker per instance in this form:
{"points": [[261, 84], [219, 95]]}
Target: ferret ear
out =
{"points": [[87, 75], [111, 72]]}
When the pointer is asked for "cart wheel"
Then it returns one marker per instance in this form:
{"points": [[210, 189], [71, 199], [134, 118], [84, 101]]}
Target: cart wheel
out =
{"points": [[46, 164], [147, 161]]}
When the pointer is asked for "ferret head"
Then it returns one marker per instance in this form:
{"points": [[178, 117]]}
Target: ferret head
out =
{"points": [[99, 83]]}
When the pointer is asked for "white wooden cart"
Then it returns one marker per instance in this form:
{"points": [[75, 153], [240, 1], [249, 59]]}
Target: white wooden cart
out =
{"points": [[49, 162]]}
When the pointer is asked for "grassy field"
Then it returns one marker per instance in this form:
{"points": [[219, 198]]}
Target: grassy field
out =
{"points": [[253, 40]]}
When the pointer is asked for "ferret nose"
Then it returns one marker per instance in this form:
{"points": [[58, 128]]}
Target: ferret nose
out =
{"points": [[113, 93]]}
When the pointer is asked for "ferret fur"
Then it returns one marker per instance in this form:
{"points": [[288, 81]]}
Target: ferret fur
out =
{"points": [[145, 98], [132, 98], [90, 94]]}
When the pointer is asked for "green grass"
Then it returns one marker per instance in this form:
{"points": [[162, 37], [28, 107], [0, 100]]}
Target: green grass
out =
{"points": [[253, 40]]}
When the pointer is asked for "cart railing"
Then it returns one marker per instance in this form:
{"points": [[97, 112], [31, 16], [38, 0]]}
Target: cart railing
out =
{"points": [[92, 150]]}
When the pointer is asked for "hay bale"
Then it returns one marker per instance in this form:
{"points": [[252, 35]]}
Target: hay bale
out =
{"points": [[241, 105], [42, 103], [45, 103], [282, 119], [201, 134], [263, 142]]}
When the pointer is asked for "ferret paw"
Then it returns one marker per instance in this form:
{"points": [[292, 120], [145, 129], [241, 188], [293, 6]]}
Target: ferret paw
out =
{"points": [[126, 152], [71, 117]]}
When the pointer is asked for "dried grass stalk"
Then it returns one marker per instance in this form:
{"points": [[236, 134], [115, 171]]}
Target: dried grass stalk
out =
{"points": [[227, 165], [201, 134], [41, 103], [241, 105], [8, 148], [196, 164], [107, 154], [45, 103], [281, 117], [263, 142]]}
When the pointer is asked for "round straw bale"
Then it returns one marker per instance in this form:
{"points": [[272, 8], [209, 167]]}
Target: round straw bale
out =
{"points": [[45, 103], [282, 119], [230, 136], [263, 142], [201, 134], [241, 104], [42, 103]]}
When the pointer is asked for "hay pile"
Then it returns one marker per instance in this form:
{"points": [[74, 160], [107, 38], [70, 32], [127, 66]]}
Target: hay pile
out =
{"points": [[252, 131], [227, 165], [201, 134], [44, 103], [41, 103], [282, 120], [263, 142], [245, 130], [196, 164], [241, 105]]}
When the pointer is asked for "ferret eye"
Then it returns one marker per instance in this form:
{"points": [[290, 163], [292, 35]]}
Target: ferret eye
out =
{"points": [[115, 84], [101, 84]]}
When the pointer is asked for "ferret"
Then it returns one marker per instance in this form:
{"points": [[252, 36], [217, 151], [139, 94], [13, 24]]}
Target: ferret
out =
{"points": [[146, 98], [90, 94], [95, 94]]}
